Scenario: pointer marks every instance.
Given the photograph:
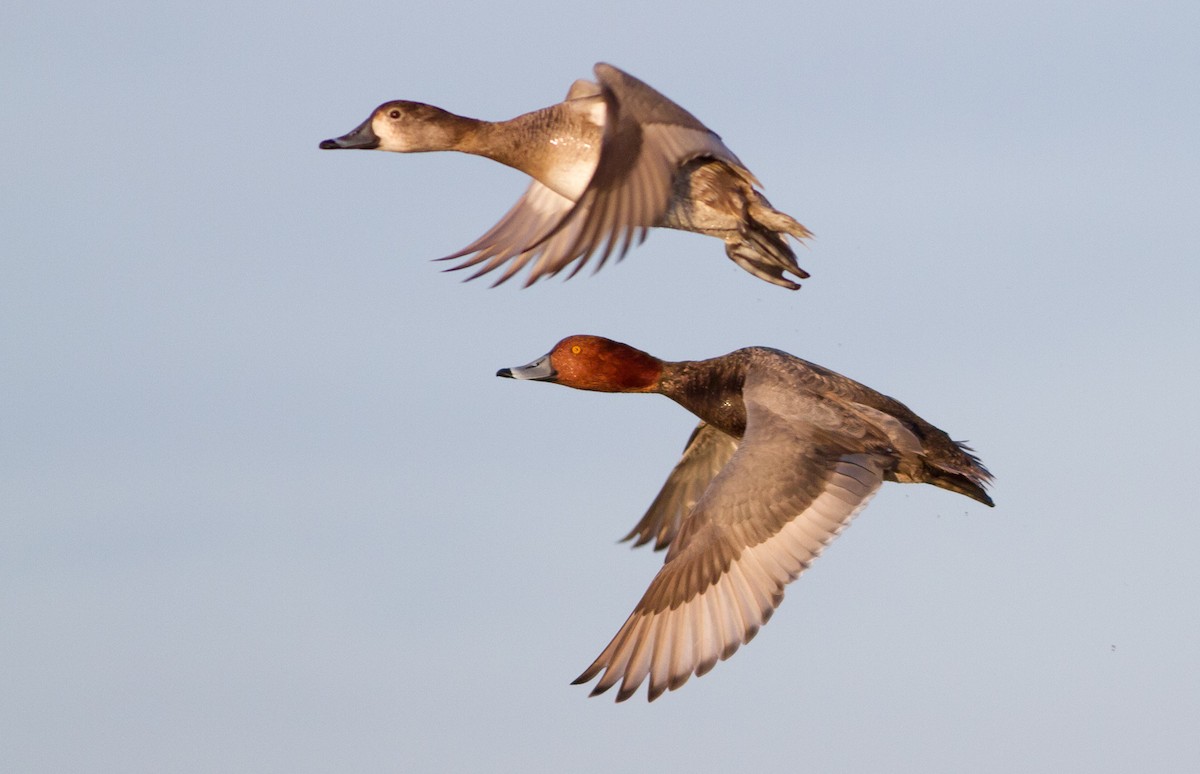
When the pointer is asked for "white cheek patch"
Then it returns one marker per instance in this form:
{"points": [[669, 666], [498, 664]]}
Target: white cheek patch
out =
{"points": [[389, 138]]}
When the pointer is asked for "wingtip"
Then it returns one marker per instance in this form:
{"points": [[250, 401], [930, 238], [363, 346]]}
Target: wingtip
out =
{"points": [[586, 675], [599, 689]]}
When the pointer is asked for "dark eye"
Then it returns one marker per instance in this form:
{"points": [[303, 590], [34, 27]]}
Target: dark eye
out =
{"points": [[393, 114]]}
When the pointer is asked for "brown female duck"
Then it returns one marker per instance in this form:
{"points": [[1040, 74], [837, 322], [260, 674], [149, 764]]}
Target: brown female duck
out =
{"points": [[613, 160]]}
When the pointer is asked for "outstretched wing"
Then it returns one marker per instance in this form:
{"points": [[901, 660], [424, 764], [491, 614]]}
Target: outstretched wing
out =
{"points": [[531, 221], [706, 452], [789, 489], [647, 138]]}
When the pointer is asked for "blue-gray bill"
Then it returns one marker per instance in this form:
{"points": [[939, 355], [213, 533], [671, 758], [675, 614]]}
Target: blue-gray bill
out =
{"points": [[538, 370]]}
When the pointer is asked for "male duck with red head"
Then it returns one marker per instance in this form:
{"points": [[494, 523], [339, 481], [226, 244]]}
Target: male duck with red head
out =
{"points": [[785, 455]]}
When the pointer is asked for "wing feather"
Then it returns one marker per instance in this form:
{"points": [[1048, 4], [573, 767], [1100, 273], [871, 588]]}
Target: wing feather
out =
{"points": [[763, 519], [706, 452], [647, 139]]}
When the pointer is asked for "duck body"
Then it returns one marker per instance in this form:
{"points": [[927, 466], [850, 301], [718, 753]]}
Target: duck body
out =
{"points": [[611, 161], [785, 455], [809, 393]]}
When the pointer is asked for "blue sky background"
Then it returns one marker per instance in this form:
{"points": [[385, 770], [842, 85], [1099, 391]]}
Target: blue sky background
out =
{"points": [[265, 507]]}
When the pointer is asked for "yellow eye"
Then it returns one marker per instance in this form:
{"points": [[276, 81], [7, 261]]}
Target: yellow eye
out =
{"points": [[575, 350]]}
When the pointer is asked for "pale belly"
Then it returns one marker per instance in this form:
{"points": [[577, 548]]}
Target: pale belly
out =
{"points": [[570, 160], [572, 172]]}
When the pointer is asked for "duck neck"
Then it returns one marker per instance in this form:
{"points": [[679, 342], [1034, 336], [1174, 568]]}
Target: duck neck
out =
{"points": [[558, 146], [710, 389], [455, 132], [497, 140]]}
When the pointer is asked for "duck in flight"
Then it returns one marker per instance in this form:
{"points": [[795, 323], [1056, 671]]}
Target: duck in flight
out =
{"points": [[613, 160], [785, 455]]}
